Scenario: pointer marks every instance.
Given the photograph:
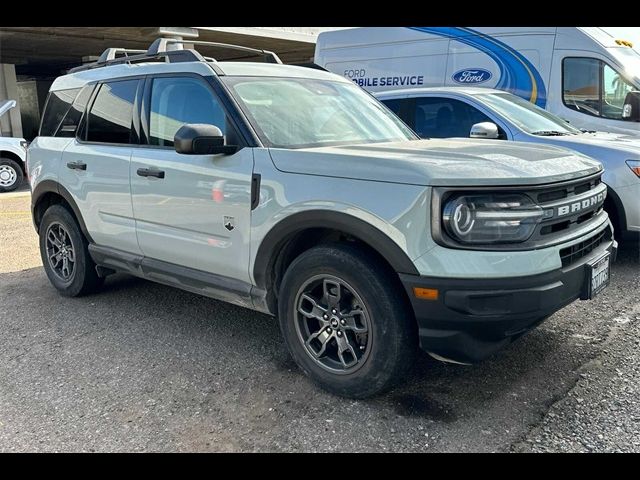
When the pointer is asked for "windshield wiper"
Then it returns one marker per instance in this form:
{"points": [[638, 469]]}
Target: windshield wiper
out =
{"points": [[550, 133]]}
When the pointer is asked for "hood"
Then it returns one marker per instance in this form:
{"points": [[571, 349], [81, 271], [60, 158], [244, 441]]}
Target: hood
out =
{"points": [[6, 105], [614, 141], [443, 162]]}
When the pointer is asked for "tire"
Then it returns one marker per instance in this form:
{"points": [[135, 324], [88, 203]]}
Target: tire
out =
{"points": [[383, 355], [82, 277], [10, 175]]}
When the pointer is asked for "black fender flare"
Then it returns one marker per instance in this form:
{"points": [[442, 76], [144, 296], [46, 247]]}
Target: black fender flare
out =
{"points": [[617, 203], [51, 186], [348, 224]]}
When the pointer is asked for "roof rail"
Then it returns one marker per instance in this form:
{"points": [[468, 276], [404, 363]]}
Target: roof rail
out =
{"points": [[110, 53], [160, 45], [158, 51]]}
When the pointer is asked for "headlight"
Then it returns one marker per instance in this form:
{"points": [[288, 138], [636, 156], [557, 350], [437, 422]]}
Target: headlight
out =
{"points": [[490, 218]]}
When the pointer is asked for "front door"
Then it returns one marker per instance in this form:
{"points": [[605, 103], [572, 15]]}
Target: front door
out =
{"points": [[190, 210]]}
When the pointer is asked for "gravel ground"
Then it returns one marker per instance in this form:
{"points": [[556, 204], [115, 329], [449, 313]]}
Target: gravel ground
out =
{"points": [[143, 367]]}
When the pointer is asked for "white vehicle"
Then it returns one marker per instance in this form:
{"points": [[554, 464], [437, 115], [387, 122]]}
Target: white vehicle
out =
{"points": [[450, 112], [13, 152], [582, 74]]}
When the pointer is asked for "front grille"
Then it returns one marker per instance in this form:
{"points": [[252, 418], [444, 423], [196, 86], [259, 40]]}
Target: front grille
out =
{"points": [[550, 198], [570, 255]]}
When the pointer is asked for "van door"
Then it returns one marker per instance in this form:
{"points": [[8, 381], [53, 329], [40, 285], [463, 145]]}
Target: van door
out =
{"points": [[192, 211], [590, 92], [95, 165]]}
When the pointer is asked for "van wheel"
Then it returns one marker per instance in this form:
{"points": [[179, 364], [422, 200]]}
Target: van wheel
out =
{"points": [[10, 175], [65, 255], [345, 321]]}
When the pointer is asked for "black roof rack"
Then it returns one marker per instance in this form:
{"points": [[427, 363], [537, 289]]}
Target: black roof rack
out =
{"points": [[158, 51], [160, 45]]}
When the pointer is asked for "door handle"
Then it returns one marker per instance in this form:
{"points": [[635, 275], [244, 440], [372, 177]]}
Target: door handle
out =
{"points": [[77, 165], [150, 172]]}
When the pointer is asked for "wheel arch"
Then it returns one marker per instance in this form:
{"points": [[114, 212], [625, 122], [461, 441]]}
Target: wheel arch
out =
{"points": [[621, 216], [303, 230], [50, 192], [15, 157]]}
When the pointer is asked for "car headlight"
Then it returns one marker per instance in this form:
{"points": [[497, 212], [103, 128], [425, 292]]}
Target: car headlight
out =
{"points": [[490, 218]]}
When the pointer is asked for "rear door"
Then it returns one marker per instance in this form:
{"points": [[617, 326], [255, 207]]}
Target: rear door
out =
{"points": [[95, 165], [195, 212]]}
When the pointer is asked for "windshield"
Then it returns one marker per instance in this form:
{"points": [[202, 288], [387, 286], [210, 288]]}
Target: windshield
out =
{"points": [[300, 112], [527, 116], [630, 61]]}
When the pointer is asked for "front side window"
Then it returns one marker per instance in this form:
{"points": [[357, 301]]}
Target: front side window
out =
{"points": [[301, 112], [57, 106], [592, 87], [177, 101], [438, 117], [111, 115]]}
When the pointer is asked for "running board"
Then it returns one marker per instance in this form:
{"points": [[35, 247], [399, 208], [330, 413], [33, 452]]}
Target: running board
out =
{"points": [[207, 284]]}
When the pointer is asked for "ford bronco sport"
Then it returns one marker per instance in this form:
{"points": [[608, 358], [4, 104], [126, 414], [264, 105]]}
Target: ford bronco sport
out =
{"points": [[291, 191]]}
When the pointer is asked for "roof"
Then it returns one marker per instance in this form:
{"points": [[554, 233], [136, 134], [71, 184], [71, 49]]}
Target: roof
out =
{"points": [[259, 69]]}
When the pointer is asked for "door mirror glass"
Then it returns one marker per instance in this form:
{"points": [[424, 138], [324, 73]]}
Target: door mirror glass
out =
{"points": [[484, 130], [201, 139], [631, 107]]}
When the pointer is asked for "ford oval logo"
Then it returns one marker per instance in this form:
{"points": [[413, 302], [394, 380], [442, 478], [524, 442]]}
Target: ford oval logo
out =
{"points": [[471, 76]]}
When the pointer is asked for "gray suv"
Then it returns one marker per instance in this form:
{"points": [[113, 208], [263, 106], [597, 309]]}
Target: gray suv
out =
{"points": [[291, 191]]}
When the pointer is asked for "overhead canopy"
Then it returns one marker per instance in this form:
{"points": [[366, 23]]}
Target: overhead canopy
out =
{"points": [[49, 50]]}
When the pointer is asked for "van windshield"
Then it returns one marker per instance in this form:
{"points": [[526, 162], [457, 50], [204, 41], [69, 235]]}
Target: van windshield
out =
{"points": [[527, 116], [301, 112]]}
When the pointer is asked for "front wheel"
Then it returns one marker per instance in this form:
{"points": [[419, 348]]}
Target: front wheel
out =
{"points": [[10, 175], [345, 321]]}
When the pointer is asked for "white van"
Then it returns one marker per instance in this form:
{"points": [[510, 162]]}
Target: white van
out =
{"points": [[582, 74]]}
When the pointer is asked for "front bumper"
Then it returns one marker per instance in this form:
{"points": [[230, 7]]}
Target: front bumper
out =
{"points": [[474, 318]]}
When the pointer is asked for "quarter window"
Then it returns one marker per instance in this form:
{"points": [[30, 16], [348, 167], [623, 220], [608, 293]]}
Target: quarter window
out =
{"points": [[57, 106], [592, 87], [177, 101], [111, 114], [70, 123]]}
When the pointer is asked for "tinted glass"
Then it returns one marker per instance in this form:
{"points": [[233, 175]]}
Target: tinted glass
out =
{"points": [[438, 117], [581, 84], [69, 124], [111, 113], [176, 101], [56, 108]]}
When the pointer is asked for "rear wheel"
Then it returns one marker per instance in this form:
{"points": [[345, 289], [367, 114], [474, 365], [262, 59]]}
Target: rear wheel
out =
{"points": [[10, 175], [65, 255], [345, 321]]}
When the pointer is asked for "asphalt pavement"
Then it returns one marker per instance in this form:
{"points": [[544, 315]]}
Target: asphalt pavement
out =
{"points": [[144, 367]]}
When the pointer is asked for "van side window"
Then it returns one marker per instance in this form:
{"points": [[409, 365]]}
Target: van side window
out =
{"points": [[438, 117], [111, 114], [179, 100], [57, 106], [70, 123], [592, 87]]}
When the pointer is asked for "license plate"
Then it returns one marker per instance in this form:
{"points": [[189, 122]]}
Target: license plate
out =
{"points": [[598, 274]]}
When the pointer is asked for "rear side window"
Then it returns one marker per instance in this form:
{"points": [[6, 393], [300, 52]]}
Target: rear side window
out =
{"points": [[70, 123], [57, 106], [111, 116]]}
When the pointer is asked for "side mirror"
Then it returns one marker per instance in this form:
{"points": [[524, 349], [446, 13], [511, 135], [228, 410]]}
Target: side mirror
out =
{"points": [[201, 139], [484, 130], [631, 108]]}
